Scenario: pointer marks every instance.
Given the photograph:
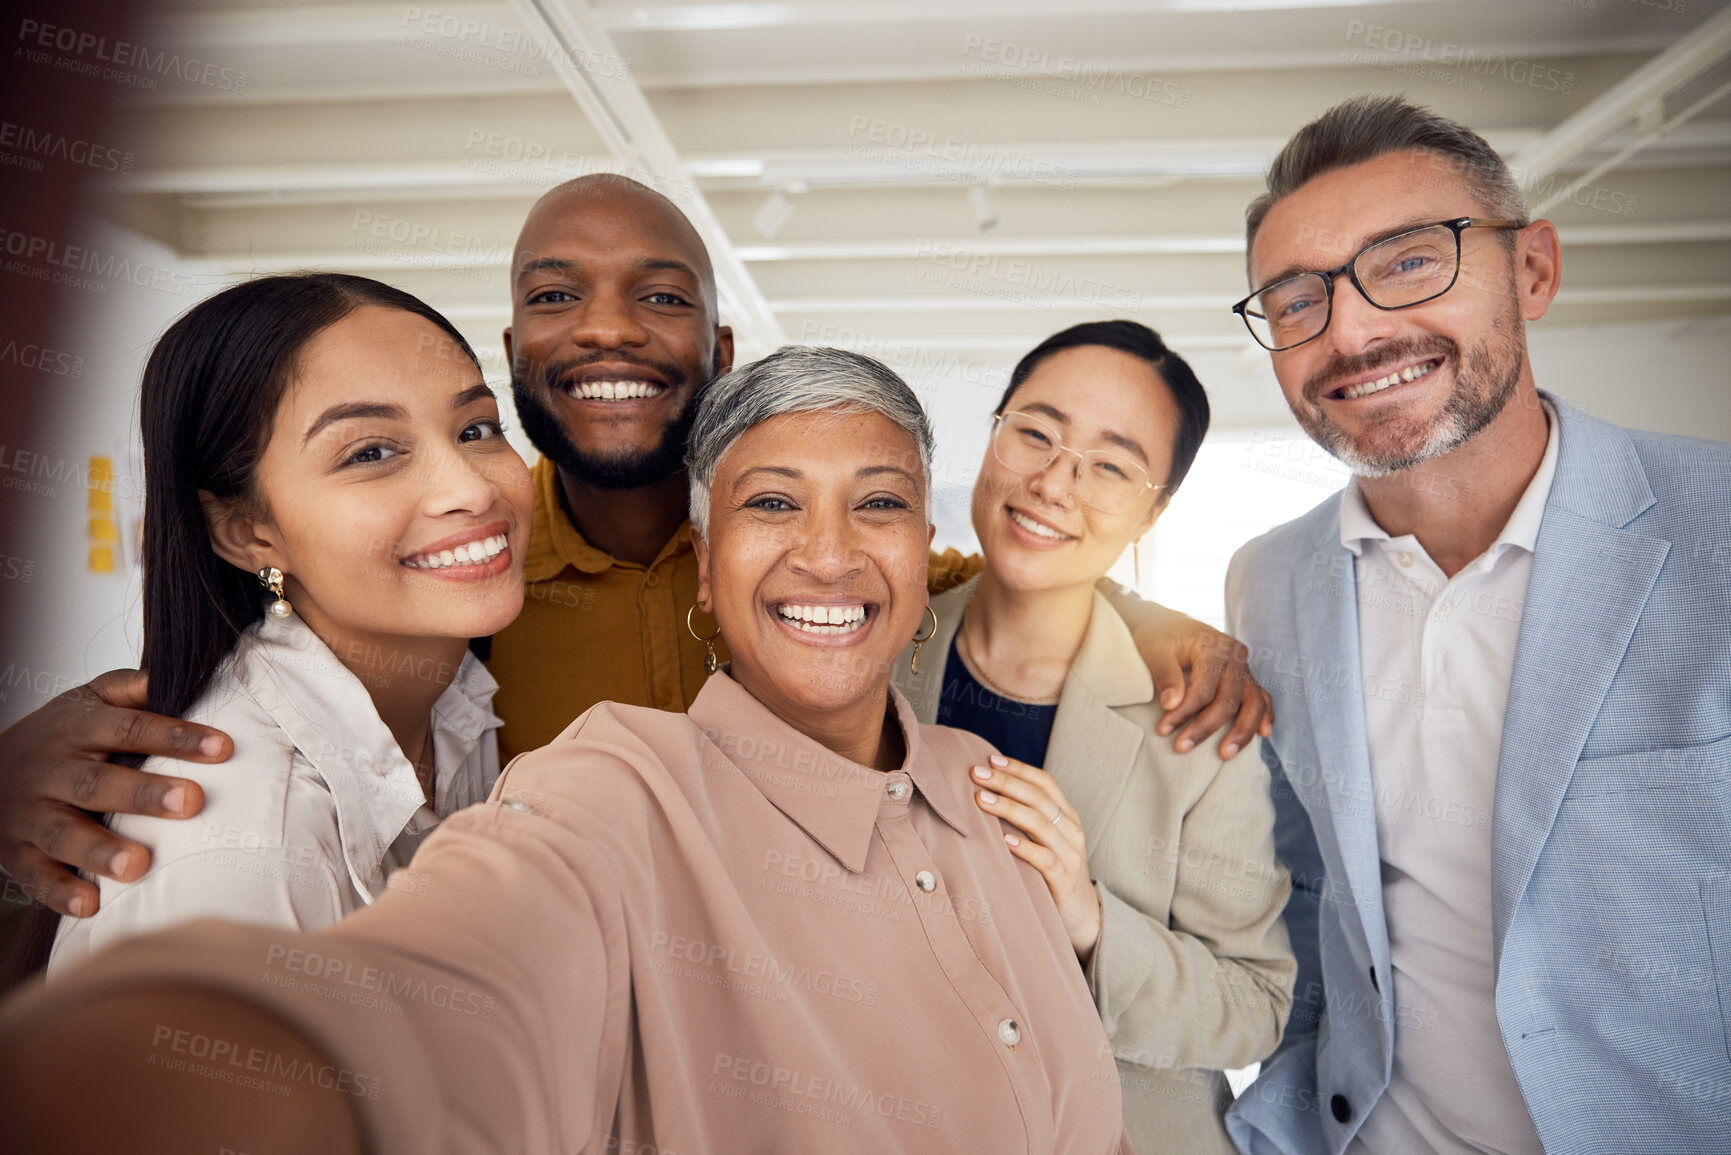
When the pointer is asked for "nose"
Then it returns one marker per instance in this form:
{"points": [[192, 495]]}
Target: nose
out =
{"points": [[458, 483], [1355, 325], [608, 320], [1056, 484], [827, 551]]}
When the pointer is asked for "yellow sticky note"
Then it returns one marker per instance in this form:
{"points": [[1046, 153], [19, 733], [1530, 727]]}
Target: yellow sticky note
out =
{"points": [[102, 529], [101, 501], [101, 559]]}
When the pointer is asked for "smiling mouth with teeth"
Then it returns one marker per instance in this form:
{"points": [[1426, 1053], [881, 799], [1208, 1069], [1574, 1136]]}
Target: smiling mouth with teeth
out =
{"points": [[477, 552], [1036, 528], [822, 619], [613, 390], [1399, 377]]}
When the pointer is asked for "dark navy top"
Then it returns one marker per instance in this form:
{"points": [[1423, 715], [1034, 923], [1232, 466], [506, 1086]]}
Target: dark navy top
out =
{"points": [[1019, 730]]}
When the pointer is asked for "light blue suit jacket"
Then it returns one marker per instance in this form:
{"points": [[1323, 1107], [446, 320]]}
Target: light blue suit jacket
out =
{"points": [[1611, 829]]}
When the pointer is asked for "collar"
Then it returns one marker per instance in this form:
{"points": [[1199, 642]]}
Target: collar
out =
{"points": [[1357, 526], [554, 543], [834, 800], [328, 715]]}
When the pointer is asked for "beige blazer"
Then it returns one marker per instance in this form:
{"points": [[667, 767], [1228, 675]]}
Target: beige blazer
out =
{"points": [[1193, 972]]}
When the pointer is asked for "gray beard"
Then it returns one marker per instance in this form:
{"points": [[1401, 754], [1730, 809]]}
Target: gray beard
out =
{"points": [[1485, 379]]}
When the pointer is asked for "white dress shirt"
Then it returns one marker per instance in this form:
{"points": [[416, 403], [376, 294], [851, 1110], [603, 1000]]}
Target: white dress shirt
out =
{"points": [[1437, 654], [313, 811]]}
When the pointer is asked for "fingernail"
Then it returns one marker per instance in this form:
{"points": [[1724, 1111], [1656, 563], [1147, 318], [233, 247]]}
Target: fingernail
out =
{"points": [[1171, 698], [174, 798], [210, 744], [999, 761], [117, 864], [1184, 745], [1230, 750], [1165, 728], [988, 798], [983, 774], [81, 907], [1012, 840]]}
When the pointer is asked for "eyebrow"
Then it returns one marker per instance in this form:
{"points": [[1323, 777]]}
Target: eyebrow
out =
{"points": [[1120, 440], [794, 474], [389, 412], [1375, 238]]}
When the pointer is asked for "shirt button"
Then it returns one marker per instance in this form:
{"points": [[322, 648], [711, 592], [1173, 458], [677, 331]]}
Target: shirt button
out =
{"points": [[652, 581], [1010, 1032], [897, 790], [1341, 1108], [1404, 558], [926, 881], [1442, 611], [664, 697]]}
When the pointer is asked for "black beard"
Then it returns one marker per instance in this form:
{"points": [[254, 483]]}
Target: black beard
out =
{"points": [[612, 471]]}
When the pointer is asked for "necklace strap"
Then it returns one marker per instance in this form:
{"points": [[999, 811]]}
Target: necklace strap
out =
{"points": [[974, 668]]}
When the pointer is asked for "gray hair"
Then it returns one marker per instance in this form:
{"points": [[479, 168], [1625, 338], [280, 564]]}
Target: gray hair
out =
{"points": [[1365, 127], [797, 379]]}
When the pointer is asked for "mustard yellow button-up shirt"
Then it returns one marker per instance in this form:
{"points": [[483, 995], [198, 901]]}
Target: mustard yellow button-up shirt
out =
{"points": [[687, 933], [595, 628]]}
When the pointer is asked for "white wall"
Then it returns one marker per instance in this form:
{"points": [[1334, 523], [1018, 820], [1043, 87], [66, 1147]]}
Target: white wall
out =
{"points": [[79, 623]]}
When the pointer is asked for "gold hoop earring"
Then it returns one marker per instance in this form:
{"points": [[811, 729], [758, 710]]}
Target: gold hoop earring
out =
{"points": [[710, 665], [270, 578], [914, 665]]}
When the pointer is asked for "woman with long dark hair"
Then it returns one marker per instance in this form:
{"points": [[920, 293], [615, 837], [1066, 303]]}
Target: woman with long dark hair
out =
{"points": [[331, 512]]}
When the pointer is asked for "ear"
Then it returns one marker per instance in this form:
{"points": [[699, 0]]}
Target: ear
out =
{"points": [[508, 358], [238, 539], [931, 534], [700, 548], [1538, 268], [724, 346]]}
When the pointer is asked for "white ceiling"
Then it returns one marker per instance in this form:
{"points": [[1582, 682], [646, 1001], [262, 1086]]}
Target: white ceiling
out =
{"points": [[1112, 145]]}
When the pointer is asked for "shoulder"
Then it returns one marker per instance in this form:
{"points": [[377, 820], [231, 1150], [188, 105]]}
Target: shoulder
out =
{"points": [[1263, 566], [949, 746], [1291, 538], [611, 749], [1603, 468]]}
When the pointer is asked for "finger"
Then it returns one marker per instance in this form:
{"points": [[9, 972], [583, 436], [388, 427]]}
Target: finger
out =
{"points": [[73, 837], [1034, 824], [109, 788], [1216, 715], [1249, 722], [1039, 778], [1035, 800], [48, 882], [1039, 857], [119, 730], [1168, 673], [127, 688], [1202, 688]]}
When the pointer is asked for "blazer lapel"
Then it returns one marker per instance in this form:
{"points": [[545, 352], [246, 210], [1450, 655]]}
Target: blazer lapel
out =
{"points": [[1326, 666], [1590, 581], [1093, 748]]}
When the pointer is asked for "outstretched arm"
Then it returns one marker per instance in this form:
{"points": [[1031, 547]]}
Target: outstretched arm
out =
{"points": [[54, 772]]}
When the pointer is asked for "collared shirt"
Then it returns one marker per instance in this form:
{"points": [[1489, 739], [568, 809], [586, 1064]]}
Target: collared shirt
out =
{"points": [[314, 809], [697, 933], [1437, 655], [595, 628]]}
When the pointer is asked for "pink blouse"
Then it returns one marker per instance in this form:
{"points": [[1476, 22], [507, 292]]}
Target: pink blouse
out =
{"points": [[681, 933]]}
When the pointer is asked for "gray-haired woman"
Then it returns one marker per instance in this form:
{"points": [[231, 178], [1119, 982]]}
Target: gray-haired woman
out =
{"points": [[777, 922]]}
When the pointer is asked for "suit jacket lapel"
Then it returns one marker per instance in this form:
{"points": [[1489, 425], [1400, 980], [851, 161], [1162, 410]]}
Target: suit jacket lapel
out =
{"points": [[1093, 748], [1326, 665], [1590, 581]]}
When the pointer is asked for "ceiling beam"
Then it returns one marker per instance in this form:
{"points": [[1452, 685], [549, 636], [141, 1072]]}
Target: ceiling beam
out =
{"points": [[583, 54], [1639, 98]]}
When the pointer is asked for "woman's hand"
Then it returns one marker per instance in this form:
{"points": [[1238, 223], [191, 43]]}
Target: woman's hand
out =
{"points": [[1051, 841]]}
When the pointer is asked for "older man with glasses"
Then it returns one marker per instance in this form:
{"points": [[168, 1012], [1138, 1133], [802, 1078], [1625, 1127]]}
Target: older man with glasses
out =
{"points": [[1501, 664]]}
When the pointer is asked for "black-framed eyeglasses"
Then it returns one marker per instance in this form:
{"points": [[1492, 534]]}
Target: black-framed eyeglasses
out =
{"points": [[1397, 272]]}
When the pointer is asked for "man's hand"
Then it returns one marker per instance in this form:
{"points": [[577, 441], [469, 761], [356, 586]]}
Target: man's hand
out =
{"points": [[54, 767], [1201, 676]]}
